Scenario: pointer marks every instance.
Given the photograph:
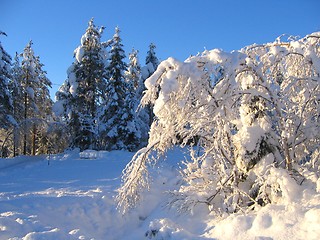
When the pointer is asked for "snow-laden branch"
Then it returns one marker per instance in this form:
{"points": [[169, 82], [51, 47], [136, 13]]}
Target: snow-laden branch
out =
{"points": [[135, 179]]}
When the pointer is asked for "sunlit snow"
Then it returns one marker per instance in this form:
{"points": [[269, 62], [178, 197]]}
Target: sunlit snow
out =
{"points": [[70, 196]]}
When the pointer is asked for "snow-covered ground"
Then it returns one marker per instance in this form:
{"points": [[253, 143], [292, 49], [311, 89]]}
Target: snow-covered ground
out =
{"points": [[70, 196], [61, 197]]}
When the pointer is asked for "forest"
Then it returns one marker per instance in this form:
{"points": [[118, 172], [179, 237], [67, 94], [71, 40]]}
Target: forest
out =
{"points": [[95, 108]]}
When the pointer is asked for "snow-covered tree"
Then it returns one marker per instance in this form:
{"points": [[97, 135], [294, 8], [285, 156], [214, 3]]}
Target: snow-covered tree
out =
{"points": [[133, 72], [44, 111], [152, 61], [5, 96], [246, 113], [18, 106], [135, 91], [62, 106], [6, 108], [117, 85], [31, 103], [28, 82], [79, 99], [121, 127]]}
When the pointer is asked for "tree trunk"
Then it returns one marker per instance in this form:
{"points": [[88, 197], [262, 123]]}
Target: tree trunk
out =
{"points": [[25, 124], [14, 142], [34, 133]]}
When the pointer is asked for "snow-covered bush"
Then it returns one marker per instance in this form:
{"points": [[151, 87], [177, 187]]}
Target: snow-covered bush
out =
{"points": [[249, 117]]}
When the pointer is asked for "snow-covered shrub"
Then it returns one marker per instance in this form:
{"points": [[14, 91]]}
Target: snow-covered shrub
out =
{"points": [[251, 118]]}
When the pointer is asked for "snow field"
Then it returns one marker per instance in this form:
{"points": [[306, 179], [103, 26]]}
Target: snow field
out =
{"points": [[70, 196], [62, 198]]}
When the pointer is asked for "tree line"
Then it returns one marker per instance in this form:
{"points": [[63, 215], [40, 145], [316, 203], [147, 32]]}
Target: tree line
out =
{"points": [[95, 107]]}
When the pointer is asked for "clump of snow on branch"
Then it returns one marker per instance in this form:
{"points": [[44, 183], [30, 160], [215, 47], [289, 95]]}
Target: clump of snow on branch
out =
{"points": [[79, 53]]}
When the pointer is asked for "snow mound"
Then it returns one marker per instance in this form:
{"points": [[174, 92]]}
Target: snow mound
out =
{"points": [[88, 154]]}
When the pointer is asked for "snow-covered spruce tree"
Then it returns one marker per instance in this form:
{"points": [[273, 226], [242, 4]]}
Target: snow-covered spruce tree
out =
{"points": [[254, 114], [62, 106], [32, 103], [18, 105], [133, 72], [5, 96], [80, 98], [37, 104], [135, 91], [42, 137], [6, 109], [28, 82], [152, 63], [121, 129]]}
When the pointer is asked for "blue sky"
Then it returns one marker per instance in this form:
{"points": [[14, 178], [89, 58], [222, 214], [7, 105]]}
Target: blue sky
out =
{"points": [[178, 28]]}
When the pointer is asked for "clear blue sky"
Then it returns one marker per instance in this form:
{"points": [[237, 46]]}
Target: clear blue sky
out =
{"points": [[178, 28]]}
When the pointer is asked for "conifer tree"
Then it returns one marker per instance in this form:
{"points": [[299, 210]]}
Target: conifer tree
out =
{"points": [[17, 96], [6, 108], [136, 88], [152, 61], [5, 96], [44, 111], [15, 87], [79, 99], [116, 69], [115, 111], [32, 102], [121, 127], [28, 82], [133, 73]]}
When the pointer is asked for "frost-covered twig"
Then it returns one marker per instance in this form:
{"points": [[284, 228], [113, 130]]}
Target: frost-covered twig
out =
{"points": [[209, 200], [135, 179]]}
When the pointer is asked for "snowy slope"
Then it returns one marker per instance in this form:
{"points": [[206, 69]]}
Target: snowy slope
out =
{"points": [[68, 197]]}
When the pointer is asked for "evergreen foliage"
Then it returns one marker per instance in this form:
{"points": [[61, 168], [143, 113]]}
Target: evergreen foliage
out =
{"points": [[121, 129], [6, 119], [80, 98], [98, 101], [32, 105], [152, 61], [96, 107], [133, 73], [135, 92], [6, 106]]}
